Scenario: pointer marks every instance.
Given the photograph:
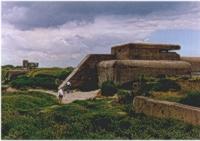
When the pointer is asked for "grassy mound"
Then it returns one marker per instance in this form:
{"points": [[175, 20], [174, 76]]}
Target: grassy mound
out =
{"points": [[34, 82], [33, 115], [26, 100], [52, 72], [47, 78]]}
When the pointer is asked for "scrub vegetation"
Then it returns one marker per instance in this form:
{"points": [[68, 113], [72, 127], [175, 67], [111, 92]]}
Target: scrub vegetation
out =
{"points": [[46, 78], [36, 115]]}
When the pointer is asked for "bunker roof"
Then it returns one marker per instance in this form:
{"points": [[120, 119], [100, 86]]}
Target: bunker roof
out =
{"points": [[192, 59], [148, 46]]}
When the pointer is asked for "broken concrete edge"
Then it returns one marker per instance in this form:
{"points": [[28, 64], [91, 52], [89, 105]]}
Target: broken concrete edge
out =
{"points": [[166, 109]]}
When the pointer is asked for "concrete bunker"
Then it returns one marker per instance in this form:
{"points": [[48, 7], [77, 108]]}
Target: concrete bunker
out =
{"points": [[127, 62], [123, 71]]}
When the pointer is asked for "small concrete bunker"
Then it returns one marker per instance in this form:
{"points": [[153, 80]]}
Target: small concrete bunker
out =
{"points": [[128, 62]]}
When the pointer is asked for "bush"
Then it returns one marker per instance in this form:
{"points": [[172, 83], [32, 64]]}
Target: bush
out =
{"points": [[166, 85], [41, 82], [192, 98], [125, 97], [102, 122], [127, 85], [21, 82], [44, 76], [108, 88], [48, 78], [65, 73]]}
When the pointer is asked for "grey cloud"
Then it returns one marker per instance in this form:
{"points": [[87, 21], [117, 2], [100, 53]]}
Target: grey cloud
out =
{"points": [[67, 44], [28, 15], [61, 35]]}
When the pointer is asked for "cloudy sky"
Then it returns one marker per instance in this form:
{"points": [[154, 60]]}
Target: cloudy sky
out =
{"points": [[62, 33]]}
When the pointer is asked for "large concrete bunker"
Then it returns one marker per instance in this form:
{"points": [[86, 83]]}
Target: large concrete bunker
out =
{"points": [[128, 62], [123, 71]]}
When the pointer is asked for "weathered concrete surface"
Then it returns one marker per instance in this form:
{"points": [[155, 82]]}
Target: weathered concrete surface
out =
{"points": [[86, 71], [194, 61], [165, 109], [122, 71], [142, 51]]}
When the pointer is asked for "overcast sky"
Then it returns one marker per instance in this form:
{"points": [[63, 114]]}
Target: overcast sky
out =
{"points": [[62, 33]]}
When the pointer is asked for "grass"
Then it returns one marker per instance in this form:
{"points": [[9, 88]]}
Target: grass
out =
{"points": [[34, 115], [53, 72], [188, 94], [191, 98], [168, 96], [46, 78], [26, 100]]}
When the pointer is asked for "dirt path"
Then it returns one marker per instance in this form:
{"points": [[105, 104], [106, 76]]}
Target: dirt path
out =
{"points": [[70, 97], [45, 91]]}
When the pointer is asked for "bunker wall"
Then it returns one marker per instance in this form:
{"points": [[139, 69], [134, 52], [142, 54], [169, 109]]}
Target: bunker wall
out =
{"points": [[121, 53], [194, 61], [121, 72], [145, 52], [165, 109], [152, 54], [86, 71]]}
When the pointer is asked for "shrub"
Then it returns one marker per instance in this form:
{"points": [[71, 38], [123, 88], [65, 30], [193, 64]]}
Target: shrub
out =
{"points": [[125, 96], [63, 74], [102, 122], [48, 78], [192, 98], [124, 123], [108, 88], [145, 88], [21, 82], [43, 118], [127, 85], [166, 85], [42, 82], [44, 76]]}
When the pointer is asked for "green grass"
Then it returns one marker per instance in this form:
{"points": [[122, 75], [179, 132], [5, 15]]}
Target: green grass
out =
{"points": [[33, 115], [53, 72], [46, 78], [167, 96], [26, 100], [190, 98]]}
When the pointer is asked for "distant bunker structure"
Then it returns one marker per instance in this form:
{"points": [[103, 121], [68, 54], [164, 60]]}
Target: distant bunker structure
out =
{"points": [[128, 62], [29, 65]]}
